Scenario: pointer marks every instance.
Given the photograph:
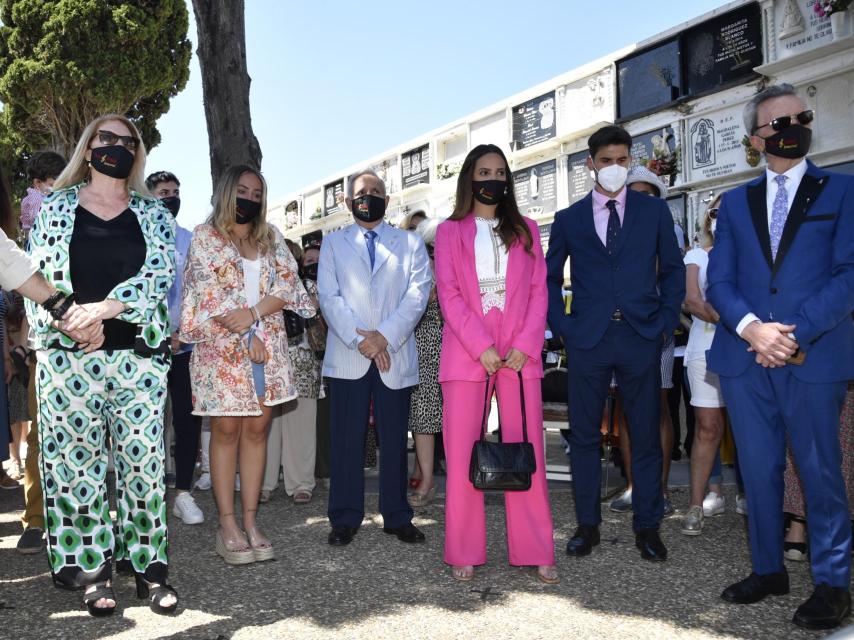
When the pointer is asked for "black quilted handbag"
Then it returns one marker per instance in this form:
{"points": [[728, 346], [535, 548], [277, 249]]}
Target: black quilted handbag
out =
{"points": [[502, 466]]}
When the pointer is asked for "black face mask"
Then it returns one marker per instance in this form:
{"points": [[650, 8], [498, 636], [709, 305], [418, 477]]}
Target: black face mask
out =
{"points": [[369, 208], [173, 203], [792, 142], [489, 191], [309, 272], [246, 211], [114, 161]]}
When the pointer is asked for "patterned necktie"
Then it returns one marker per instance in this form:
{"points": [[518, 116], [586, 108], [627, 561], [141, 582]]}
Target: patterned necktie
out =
{"points": [[613, 226], [370, 237], [779, 213]]}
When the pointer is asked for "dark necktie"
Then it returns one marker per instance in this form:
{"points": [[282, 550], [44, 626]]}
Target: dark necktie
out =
{"points": [[613, 227], [370, 236]]}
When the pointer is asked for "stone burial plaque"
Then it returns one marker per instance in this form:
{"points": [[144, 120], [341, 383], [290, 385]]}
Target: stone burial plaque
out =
{"points": [[536, 189], [723, 50], [644, 145], [649, 79], [579, 177], [534, 121], [415, 165], [332, 202]]}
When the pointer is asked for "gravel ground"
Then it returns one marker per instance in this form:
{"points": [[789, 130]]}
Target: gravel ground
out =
{"points": [[381, 588]]}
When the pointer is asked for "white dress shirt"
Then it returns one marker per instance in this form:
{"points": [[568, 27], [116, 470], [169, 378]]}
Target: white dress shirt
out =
{"points": [[490, 256], [793, 181]]}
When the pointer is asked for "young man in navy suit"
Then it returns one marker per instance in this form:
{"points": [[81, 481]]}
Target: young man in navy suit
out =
{"points": [[781, 276], [628, 283]]}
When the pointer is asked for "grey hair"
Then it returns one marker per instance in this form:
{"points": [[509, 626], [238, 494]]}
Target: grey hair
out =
{"points": [[427, 229], [752, 107], [362, 172]]}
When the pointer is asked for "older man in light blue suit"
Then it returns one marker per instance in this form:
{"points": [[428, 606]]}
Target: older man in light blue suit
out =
{"points": [[373, 282]]}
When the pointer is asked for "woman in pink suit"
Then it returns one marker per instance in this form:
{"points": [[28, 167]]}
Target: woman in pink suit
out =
{"points": [[491, 280]]}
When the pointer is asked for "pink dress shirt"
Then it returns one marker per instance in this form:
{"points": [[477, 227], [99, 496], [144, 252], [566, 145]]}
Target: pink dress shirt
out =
{"points": [[601, 212]]}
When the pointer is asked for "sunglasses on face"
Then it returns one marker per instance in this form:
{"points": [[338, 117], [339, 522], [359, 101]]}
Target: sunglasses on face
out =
{"points": [[713, 213], [783, 122], [109, 138]]}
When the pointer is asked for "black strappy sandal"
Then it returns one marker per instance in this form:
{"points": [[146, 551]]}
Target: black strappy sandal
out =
{"points": [[156, 595], [101, 590]]}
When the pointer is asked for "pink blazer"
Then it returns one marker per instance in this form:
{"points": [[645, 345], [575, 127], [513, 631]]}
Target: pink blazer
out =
{"points": [[465, 335]]}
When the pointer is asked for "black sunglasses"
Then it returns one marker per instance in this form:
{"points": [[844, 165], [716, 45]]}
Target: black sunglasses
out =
{"points": [[713, 213], [783, 122], [109, 138]]}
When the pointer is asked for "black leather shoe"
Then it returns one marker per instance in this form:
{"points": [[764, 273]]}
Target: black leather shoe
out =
{"points": [[826, 608], [341, 535], [650, 545], [581, 543], [406, 533], [755, 587]]}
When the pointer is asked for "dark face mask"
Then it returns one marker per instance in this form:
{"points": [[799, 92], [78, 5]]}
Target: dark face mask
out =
{"points": [[792, 142], [489, 191], [309, 272], [114, 161], [369, 208], [173, 203], [246, 211]]}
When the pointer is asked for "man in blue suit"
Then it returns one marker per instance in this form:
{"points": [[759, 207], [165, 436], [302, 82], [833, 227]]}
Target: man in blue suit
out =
{"points": [[781, 276], [373, 284], [628, 283]]}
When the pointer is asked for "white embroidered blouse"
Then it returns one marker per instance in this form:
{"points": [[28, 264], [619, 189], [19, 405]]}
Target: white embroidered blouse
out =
{"points": [[490, 256]]}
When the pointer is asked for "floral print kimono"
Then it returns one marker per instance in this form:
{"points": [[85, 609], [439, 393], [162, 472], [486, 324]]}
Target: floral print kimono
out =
{"points": [[220, 368]]}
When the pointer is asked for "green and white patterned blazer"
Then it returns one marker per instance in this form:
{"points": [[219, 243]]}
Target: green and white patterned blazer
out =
{"points": [[144, 295]]}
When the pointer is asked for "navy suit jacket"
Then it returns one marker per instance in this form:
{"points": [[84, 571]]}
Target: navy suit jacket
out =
{"points": [[648, 297], [810, 284]]}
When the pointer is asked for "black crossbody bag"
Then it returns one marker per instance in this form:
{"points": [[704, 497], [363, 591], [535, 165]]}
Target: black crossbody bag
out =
{"points": [[502, 466]]}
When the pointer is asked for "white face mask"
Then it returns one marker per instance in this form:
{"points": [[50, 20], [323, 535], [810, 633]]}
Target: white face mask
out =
{"points": [[612, 178], [713, 226]]}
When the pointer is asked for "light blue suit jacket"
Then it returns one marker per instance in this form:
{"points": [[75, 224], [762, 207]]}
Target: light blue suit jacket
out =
{"points": [[390, 299]]}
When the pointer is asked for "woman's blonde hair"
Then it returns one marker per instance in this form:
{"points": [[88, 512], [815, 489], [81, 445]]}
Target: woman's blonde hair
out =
{"points": [[223, 216], [707, 238], [77, 170]]}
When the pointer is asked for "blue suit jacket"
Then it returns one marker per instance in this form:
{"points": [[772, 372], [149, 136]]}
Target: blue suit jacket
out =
{"points": [[810, 284], [390, 298], [649, 298]]}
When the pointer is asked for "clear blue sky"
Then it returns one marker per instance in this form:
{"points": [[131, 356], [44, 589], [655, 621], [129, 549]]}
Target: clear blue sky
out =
{"points": [[334, 82]]}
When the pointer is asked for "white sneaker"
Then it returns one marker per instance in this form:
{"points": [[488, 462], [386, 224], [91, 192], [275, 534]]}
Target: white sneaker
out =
{"points": [[713, 504], [741, 505], [204, 482], [187, 509]]}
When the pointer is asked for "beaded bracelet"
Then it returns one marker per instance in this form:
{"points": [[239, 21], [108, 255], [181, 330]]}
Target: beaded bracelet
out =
{"points": [[51, 302], [59, 312]]}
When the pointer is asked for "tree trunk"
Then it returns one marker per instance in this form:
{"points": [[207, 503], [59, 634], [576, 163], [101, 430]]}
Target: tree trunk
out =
{"points": [[225, 84]]}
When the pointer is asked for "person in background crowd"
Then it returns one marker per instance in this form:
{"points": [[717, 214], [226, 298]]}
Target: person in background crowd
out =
{"points": [[628, 283], [425, 411], [410, 221], [373, 284], [643, 180], [17, 380], [111, 248], [706, 397], [292, 440], [794, 543], [781, 277], [239, 276], [42, 169], [491, 281], [186, 427]]}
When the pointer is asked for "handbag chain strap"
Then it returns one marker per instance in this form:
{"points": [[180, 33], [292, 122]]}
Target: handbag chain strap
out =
{"points": [[486, 407]]}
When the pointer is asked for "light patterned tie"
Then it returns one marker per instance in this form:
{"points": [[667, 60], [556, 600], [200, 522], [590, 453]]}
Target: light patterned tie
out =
{"points": [[779, 213], [370, 236]]}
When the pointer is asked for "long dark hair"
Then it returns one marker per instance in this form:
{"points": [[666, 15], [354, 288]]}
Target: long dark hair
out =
{"points": [[511, 225]]}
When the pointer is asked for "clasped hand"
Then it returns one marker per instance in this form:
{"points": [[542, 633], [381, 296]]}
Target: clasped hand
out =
{"points": [[374, 347], [492, 362], [236, 321], [84, 323], [770, 342]]}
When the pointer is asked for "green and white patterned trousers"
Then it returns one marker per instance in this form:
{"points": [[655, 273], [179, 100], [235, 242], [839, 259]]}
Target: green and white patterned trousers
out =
{"points": [[81, 397]]}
